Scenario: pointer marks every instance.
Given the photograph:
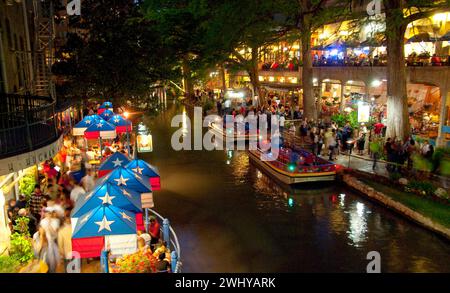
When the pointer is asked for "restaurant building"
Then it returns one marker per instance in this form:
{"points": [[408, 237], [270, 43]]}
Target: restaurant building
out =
{"points": [[349, 60]]}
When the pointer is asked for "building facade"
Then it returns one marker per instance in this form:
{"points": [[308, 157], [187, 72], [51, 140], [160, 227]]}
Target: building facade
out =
{"points": [[350, 59], [32, 119]]}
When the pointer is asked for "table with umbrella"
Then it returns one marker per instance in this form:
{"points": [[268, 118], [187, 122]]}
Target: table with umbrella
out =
{"points": [[105, 106], [144, 168], [80, 127], [117, 159], [107, 114], [109, 217], [123, 126]]}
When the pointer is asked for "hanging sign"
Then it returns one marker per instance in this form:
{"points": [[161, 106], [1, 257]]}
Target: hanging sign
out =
{"points": [[363, 113], [144, 143], [147, 200]]}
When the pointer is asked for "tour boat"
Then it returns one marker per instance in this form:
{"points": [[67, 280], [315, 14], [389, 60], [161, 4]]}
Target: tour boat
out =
{"points": [[290, 173], [238, 135]]}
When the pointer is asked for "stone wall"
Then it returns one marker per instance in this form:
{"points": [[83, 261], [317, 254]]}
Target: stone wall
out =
{"points": [[396, 206]]}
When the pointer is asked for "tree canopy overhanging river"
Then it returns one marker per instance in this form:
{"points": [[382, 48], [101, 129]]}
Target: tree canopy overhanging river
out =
{"points": [[231, 217]]}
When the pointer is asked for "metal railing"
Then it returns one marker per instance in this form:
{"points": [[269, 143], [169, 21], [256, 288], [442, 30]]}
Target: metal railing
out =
{"points": [[170, 237], [358, 62], [26, 123]]}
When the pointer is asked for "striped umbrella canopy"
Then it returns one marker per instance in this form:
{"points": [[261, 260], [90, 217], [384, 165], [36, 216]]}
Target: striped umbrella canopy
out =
{"points": [[105, 220], [105, 106], [107, 114], [122, 125], [115, 160], [80, 127], [128, 179], [101, 129], [108, 193], [144, 168]]}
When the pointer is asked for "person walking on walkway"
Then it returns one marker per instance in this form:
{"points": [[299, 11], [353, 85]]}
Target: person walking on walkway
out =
{"points": [[36, 201], [319, 143], [361, 143], [389, 153], [65, 240], [332, 144]]}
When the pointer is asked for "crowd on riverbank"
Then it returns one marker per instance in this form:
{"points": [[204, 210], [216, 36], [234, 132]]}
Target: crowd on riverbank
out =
{"points": [[43, 218], [328, 139]]}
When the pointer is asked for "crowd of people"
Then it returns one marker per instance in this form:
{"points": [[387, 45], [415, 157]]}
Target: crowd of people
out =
{"points": [[327, 139], [353, 59], [61, 182], [48, 211], [399, 152]]}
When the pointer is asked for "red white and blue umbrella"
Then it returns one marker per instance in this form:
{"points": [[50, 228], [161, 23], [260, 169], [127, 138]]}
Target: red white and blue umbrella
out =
{"points": [[107, 114], [105, 220], [101, 129], [80, 127], [122, 125], [129, 180], [143, 168], [115, 160], [110, 194], [105, 106]]}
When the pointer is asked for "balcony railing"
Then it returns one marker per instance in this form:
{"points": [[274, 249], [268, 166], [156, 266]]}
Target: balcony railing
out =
{"points": [[358, 62], [26, 123]]}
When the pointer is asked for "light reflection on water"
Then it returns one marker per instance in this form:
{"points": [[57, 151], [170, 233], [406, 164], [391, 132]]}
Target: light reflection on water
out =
{"points": [[358, 224], [349, 218], [225, 210]]}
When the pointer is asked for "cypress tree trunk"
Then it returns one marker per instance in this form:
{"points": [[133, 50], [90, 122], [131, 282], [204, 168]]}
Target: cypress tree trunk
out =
{"points": [[223, 78], [188, 85], [309, 103], [254, 76], [397, 105]]}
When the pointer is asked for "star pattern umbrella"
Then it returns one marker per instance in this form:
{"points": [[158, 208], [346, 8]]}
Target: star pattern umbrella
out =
{"points": [[122, 125], [105, 220], [128, 179], [101, 129], [115, 160], [80, 127], [105, 106], [143, 168], [110, 194], [107, 114]]}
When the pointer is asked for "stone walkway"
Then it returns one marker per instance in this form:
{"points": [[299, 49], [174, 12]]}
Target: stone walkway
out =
{"points": [[365, 163], [362, 163]]}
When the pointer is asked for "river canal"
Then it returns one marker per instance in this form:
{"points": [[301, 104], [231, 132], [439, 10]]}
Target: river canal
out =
{"points": [[231, 217]]}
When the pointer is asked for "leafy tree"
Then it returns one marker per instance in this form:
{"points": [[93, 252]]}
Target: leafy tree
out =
{"points": [[121, 56], [241, 39], [179, 24], [306, 16], [399, 13]]}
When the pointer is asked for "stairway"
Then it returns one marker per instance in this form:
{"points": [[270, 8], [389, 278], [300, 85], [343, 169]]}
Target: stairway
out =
{"points": [[42, 79], [44, 55]]}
